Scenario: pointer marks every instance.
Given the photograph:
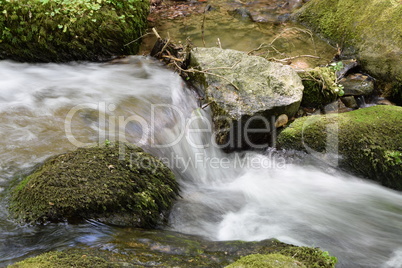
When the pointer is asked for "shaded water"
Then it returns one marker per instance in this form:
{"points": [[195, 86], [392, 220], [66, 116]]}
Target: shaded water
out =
{"points": [[248, 196], [220, 26]]}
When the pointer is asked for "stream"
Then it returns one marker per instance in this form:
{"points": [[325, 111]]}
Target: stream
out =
{"points": [[47, 109]]}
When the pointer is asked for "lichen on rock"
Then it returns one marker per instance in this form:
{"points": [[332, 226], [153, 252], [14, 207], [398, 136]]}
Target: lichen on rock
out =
{"points": [[116, 184], [61, 30]]}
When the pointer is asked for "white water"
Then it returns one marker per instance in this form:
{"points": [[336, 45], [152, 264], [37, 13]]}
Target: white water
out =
{"points": [[248, 196]]}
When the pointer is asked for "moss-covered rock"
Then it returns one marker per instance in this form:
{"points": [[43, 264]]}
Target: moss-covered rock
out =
{"points": [[320, 87], [116, 184], [63, 260], [158, 248], [66, 30], [244, 93], [368, 140], [371, 28]]}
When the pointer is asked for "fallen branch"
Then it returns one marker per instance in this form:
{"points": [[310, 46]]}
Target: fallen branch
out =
{"points": [[129, 43], [295, 57]]}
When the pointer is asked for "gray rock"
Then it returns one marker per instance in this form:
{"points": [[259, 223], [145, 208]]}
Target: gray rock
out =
{"points": [[349, 102], [245, 92], [357, 84], [347, 66]]}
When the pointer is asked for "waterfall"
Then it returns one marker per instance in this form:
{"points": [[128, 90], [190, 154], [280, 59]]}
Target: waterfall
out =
{"points": [[46, 109]]}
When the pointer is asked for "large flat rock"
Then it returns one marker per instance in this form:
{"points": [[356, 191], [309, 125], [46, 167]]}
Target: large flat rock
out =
{"points": [[245, 92]]}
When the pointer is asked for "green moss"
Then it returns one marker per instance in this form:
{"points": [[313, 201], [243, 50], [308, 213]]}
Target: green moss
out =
{"points": [[289, 257], [63, 260], [320, 87], [149, 248], [311, 257], [266, 261], [373, 29], [117, 184], [369, 141], [65, 30]]}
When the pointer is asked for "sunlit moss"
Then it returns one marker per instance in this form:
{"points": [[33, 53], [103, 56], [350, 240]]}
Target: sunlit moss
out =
{"points": [[368, 140], [373, 29], [65, 30]]}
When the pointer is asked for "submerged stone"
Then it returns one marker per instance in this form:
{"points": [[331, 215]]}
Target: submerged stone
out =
{"points": [[116, 184], [366, 142], [245, 94], [59, 30], [373, 29], [357, 84]]}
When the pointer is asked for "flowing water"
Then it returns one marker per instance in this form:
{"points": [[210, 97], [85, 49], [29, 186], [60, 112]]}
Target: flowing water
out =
{"points": [[47, 109]]}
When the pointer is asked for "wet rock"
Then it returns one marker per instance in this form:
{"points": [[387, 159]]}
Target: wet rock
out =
{"points": [[349, 102], [60, 31], [241, 12], [383, 101], [357, 84], [366, 142], [118, 184], [281, 120], [245, 93], [372, 29], [348, 65], [158, 248], [269, 11]]}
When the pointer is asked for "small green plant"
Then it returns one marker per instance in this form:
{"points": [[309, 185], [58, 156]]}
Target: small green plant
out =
{"points": [[336, 67], [331, 260], [394, 157]]}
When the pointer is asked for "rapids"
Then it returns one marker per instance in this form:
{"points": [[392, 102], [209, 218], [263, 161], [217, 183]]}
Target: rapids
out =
{"points": [[47, 109]]}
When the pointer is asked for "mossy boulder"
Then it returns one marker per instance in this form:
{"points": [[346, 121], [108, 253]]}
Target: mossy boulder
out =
{"points": [[368, 141], [67, 30], [116, 184], [63, 260], [158, 248], [320, 87], [373, 29], [244, 93]]}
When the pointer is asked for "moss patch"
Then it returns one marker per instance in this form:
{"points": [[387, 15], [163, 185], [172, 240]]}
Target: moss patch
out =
{"points": [[369, 141], [320, 87], [311, 257], [371, 28], [63, 260], [267, 261], [117, 184], [66, 30], [158, 248]]}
